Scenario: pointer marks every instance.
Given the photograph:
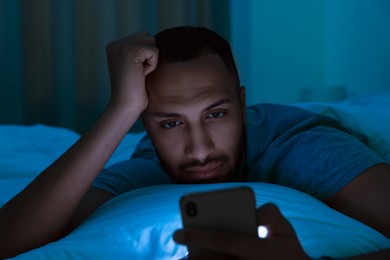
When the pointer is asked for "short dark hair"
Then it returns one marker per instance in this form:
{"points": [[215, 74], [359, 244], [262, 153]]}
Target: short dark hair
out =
{"points": [[186, 43]]}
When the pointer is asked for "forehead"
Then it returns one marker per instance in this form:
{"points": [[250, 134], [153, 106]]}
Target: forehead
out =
{"points": [[183, 83]]}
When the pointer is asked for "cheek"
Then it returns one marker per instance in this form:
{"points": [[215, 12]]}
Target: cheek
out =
{"points": [[227, 137], [168, 148]]}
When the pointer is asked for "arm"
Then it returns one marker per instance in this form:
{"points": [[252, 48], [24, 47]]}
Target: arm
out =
{"points": [[56, 200], [366, 198]]}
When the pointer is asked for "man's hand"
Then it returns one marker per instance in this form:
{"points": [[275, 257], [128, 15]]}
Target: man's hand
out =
{"points": [[130, 59], [281, 242]]}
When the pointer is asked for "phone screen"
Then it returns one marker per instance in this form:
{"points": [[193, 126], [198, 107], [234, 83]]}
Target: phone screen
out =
{"points": [[228, 210]]}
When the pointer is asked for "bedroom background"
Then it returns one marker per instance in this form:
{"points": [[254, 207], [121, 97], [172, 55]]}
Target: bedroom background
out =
{"points": [[53, 68]]}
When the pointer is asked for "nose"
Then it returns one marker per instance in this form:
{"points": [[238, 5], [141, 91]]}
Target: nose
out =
{"points": [[199, 143]]}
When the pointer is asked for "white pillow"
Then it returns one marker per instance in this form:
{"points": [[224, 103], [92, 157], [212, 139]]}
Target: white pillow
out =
{"points": [[139, 225]]}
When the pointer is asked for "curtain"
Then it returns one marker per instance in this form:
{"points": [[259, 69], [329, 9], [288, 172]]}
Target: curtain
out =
{"points": [[52, 53]]}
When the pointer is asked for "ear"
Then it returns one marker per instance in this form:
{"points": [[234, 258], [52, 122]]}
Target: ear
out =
{"points": [[243, 102]]}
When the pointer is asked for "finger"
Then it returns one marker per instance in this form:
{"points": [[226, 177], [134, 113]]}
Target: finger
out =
{"points": [[151, 61], [221, 242], [270, 216]]}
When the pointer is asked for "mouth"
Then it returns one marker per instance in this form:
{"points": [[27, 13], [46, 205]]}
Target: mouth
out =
{"points": [[207, 172]]}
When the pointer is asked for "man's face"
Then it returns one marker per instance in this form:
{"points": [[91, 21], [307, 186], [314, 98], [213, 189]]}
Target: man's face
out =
{"points": [[195, 118]]}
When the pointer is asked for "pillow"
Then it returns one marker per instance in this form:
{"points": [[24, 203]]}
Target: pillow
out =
{"points": [[139, 225]]}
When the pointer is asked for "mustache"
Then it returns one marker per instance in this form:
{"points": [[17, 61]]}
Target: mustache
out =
{"points": [[194, 163]]}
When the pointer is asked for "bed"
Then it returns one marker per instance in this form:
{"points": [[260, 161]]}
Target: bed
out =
{"points": [[139, 224]]}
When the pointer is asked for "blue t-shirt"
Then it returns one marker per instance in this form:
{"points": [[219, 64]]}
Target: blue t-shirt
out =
{"points": [[286, 145]]}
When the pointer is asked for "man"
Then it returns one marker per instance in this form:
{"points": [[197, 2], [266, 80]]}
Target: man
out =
{"points": [[185, 85]]}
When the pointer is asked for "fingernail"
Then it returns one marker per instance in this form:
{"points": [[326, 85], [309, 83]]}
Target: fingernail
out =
{"points": [[179, 236]]}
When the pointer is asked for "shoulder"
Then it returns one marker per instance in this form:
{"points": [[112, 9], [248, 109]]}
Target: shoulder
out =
{"points": [[269, 121], [303, 150], [283, 113]]}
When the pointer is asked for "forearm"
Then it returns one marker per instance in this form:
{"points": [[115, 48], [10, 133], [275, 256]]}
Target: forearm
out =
{"points": [[41, 212]]}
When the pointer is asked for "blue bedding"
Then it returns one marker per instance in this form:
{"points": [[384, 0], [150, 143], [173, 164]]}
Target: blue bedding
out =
{"points": [[139, 224]]}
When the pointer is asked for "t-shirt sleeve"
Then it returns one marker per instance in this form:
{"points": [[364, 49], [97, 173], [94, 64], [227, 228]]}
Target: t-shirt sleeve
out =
{"points": [[311, 153], [141, 170]]}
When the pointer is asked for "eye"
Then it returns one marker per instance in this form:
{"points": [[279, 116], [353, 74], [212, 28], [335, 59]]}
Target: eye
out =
{"points": [[171, 124], [216, 115]]}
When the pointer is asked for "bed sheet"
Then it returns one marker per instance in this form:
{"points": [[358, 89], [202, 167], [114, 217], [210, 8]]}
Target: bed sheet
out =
{"points": [[26, 150]]}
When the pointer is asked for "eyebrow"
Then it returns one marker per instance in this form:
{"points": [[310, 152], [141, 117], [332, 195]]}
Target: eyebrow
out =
{"points": [[211, 106]]}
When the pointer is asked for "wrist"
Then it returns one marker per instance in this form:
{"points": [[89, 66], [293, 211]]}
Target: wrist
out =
{"points": [[123, 115], [125, 108]]}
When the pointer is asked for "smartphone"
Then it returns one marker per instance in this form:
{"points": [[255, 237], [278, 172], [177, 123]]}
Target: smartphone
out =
{"points": [[229, 210]]}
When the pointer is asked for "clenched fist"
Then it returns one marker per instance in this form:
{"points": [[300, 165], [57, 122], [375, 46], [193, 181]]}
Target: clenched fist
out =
{"points": [[130, 60]]}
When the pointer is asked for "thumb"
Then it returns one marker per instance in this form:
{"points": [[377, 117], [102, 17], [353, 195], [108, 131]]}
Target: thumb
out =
{"points": [[270, 216]]}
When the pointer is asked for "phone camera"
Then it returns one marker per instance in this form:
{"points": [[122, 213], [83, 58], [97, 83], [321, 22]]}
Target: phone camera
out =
{"points": [[191, 209]]}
